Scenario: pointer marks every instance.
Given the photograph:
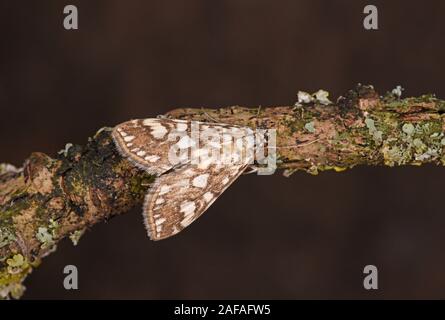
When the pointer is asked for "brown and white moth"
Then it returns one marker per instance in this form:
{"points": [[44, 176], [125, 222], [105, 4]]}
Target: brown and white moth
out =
{"points": [[194, 161]]}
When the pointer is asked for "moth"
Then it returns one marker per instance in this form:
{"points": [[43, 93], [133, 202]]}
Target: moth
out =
{"points": [[194, 163]]}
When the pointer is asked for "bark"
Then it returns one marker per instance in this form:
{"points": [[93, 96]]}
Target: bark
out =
{"points": [[53, 198]]}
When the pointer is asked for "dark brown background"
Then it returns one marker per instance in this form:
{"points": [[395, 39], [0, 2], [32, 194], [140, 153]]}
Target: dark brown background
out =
{"points": [[266, 237]]}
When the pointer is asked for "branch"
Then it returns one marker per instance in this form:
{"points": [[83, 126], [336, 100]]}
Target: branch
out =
{"points": [[52, 198]]}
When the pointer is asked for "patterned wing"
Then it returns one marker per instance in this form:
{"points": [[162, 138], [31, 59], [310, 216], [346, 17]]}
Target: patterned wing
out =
{"points": [[147, 142], [195, 163], [181, 196]]}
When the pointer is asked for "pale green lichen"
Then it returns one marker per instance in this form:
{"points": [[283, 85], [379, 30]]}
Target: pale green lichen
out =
{"points": [[76, 235], [394, 154], [429, 154], [16, 264], [418, 143], [322, 97], [397, 91], [16, 261], [310, 127], [45, 237], [408, 128], [53, 226], [304, 97], [14, 290], [370, 124], [5, 237], [377, 135], [11, 278]]}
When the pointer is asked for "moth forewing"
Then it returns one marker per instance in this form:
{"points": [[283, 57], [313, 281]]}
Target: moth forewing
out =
{"points": [[195, 163], [181, 196], [145, 143]]}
